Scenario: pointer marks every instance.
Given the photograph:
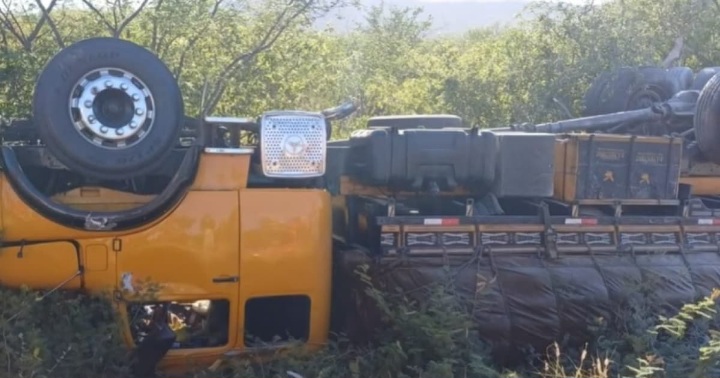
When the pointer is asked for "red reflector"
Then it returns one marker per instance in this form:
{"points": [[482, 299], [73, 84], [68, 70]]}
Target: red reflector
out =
{"points": [[441, 221], [581, 221]]}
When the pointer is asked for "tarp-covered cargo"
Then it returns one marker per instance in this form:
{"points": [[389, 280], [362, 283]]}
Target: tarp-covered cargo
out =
{"points": [[520, 295]]}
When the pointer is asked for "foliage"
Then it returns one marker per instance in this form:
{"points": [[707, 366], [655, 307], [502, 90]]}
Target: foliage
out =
{"points": [[61, 334], [245, 57]]}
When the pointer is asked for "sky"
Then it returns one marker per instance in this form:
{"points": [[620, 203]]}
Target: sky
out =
{"points": [[579, 2]]}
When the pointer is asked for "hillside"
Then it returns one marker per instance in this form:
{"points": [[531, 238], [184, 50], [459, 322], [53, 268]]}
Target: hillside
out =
{"points": [[449, 16]]}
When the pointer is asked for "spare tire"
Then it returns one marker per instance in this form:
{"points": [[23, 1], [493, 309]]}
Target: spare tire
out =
{"points": [[108, 109], [707, 120], [630, 88]]}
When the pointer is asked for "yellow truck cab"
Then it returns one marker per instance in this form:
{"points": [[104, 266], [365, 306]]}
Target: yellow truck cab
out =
{"points": [[208, 247]]}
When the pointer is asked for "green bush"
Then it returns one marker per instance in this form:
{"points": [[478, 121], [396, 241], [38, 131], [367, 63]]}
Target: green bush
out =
{"points": [[59, 334], [65, 334]]}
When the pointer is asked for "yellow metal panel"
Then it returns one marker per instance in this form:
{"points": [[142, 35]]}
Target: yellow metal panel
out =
{"points": [[96, 258], [222, 172], [40, 266], [285, 248], [100, 275], [184, 252]]}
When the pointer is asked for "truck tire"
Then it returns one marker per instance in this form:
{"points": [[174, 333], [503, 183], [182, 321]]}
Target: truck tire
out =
{"points": [[702, 77], [630, 88], [707, 120], [108, 109], [683, 77]]}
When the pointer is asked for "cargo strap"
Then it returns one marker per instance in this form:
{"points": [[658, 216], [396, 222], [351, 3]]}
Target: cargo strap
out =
{"points": [[672, 182], [590, 167], [550, 236], [683, 247], [631, 167]]}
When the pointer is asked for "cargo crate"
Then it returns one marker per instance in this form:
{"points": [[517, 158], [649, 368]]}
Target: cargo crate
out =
{"points": [[622, 167]]}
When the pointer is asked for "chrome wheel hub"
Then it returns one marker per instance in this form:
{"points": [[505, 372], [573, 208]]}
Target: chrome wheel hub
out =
{"points": [[112, 108]]}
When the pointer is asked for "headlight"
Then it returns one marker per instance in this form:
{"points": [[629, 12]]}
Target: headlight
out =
{"points": [[293, 144]]}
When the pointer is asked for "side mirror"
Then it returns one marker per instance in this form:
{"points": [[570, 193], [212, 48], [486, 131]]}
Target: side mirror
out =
{"points": [[152, 349]]}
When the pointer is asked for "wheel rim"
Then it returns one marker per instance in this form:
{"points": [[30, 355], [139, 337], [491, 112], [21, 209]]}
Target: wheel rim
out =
{"points": [[644, 98], [112, 108]]}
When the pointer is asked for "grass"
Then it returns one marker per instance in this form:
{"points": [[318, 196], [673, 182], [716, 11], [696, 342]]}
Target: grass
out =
{"points": [[71, 335]]}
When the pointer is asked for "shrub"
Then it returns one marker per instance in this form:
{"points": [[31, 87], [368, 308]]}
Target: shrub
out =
{"points": [[64, 334], [59, 334]]}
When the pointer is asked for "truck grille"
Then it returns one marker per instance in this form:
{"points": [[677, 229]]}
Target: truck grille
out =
{"points": [[293, 144]]}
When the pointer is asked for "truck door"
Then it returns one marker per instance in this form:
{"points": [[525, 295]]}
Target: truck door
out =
{"points": [[193, 255]]}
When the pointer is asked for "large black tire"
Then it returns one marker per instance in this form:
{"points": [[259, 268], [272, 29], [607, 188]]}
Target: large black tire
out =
{"points": [[162, 109], [630, 88], [702, 77], [707, 120], [683, 77]]}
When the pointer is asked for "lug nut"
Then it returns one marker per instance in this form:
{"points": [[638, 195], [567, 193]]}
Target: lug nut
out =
{"points": [[133, 124], [139, 111], [108, 84], [119, 131], [91, 119], [136, 97], [123, 86], [88, 104], [104, 129]]}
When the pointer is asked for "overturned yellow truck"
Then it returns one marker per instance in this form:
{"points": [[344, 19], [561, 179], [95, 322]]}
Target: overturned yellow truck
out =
{"points": [[252, 227]]}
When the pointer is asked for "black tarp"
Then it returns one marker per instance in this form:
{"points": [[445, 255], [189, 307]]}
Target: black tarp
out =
{"points": [[524, 299]]}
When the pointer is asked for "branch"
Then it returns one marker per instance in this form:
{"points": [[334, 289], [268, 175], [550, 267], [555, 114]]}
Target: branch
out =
{"points": [[3, 38], [154, 40], [110, 27], [51, 23], [129, 19], [674, 54], [272, 35], [11, 25], [115, 9], [116, 28], [9, 20], [193, 40], [43, 18]]}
